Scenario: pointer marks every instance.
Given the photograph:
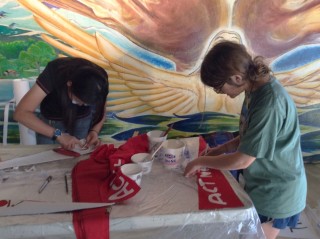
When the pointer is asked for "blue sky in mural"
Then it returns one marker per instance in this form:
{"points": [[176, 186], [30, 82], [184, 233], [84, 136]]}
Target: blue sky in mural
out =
{"points": [[18, 17], [298, 57]]}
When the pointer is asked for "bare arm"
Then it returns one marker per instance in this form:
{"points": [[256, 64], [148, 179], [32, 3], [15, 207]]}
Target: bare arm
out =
{"points": [[232, 161], [25, 112], [227, 147], [93, 134], [97, 127]]}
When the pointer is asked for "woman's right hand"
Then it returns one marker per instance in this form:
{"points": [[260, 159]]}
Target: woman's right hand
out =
{"points": [[68, 141]]}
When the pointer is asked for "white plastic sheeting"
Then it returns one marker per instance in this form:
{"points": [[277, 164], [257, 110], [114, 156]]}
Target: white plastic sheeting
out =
{"points": [[166, 208]]}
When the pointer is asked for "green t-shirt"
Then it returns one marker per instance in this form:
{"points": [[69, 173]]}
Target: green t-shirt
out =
{"points": [[269, 131]]}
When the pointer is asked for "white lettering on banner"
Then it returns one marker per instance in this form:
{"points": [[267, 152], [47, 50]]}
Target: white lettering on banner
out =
{"points": [[114, 186], [214, 196], [118, 164], [204, 174], [122, 190], [203, 185]]}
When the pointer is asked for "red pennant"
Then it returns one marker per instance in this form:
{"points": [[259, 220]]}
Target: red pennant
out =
{"points": [[120, 188], [215, 192], [66, 152]]}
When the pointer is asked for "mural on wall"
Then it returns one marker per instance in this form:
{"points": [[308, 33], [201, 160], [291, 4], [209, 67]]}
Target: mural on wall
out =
{"points": [[152, 51]]}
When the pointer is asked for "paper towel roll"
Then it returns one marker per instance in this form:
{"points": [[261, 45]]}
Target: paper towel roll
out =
{"points": [[20, 88]]}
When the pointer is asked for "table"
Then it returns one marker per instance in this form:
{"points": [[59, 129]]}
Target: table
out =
{"points": [[166, 206]]}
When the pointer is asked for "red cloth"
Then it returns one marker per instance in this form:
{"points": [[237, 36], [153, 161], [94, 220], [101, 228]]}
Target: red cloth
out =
{"points": [[98, 179], [215, 192]]}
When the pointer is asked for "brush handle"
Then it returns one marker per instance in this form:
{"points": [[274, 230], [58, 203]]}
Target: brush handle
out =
{"points": [[154, 153], [167, 131]]}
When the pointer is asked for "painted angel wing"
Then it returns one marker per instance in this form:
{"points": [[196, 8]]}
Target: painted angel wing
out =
{"points": [[302, 84], [146, 22], [275, 27], [136, 87]]}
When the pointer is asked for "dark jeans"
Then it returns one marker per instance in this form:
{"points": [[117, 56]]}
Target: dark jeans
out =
{"points": [[81, 129]]}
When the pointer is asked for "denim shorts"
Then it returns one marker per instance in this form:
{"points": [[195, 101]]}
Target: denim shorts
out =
{"points": [[281, 223], [82, 126]]}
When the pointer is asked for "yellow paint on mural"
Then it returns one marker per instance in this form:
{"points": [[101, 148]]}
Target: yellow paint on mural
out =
{"points": [[141, 88]]}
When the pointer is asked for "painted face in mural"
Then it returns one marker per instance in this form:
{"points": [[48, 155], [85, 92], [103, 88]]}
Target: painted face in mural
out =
{"points": [[225, 35]]}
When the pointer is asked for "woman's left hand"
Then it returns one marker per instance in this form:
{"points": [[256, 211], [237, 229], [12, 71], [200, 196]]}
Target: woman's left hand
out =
{"points": [[92, 139]]}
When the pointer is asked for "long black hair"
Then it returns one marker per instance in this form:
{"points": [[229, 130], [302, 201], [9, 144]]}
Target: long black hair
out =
{"points": [[89, 83]]}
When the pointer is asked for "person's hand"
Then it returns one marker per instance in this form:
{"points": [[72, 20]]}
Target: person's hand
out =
{"points": [[215, 151], [67, 141], [192, 168], [92, 139], [205, 151]]}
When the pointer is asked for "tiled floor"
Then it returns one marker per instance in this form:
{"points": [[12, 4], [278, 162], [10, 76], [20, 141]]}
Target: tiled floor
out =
{"points": [[305, 229]]}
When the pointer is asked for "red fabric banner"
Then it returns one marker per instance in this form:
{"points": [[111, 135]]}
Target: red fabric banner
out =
{"points": [[99, 179], [215, 192]]}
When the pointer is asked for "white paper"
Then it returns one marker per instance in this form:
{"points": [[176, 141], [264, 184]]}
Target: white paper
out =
{"points": [[42, 157], [27, 207], [20, 88], [83, 151]]}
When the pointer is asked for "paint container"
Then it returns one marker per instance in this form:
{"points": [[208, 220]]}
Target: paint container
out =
{"points": [[173, 153], [144, 160], [133, 171]]}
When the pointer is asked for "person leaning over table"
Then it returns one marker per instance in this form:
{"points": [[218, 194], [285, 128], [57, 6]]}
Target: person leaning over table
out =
{"points": [[72, 95], [268, 147]]}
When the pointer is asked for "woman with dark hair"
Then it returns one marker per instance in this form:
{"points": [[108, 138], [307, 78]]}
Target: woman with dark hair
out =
{"points": [[268, 146], [72, 94]]}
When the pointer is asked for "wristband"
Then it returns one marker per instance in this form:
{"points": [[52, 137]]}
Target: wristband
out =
{"points": [[57, 133], [94, 131]]}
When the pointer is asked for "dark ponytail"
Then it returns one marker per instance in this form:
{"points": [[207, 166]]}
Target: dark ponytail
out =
{"points": [[257, 69]]}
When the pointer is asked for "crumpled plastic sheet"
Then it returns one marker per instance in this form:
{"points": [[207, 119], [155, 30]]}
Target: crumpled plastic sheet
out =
{"points": [[165, 208], [170, 210]]}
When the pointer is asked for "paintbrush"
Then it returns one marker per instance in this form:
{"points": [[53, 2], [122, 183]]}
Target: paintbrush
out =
{"points": [[167, 131], [157, 149]]}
